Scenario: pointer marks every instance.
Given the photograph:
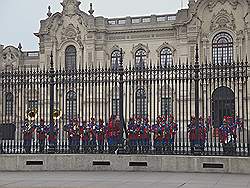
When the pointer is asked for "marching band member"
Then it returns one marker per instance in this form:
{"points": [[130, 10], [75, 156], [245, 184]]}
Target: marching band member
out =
{"points": [[27, 129], [52, 132], [197, 134], [84, 131], [92, 134], [131, 135], [41, 135], [76, 135], [100, 135], [158, 135], [146, 135], [228, 135]]}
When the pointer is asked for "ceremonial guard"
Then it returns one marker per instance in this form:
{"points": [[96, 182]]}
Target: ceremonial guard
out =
{"points": [[131, 135], [92, 134], [76, 135], [109, 134], [84, 131], [158, 135], [146, 135], [100, 135], [227, 135], [41, 133], [117, 131], [172, 128], [113, 133], [197, 135], [27, 129], [52, 136]]}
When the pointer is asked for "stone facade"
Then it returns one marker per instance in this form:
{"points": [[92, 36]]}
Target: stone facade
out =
{"points": [[95, 38]]}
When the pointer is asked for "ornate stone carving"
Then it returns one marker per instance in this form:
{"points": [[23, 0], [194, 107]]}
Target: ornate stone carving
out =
{"points": [[10, 58], [70, 32], [70, 7], [222, 20], [213, 3]]}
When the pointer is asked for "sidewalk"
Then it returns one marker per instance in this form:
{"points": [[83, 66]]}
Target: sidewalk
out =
{"points": [[121, 180]]}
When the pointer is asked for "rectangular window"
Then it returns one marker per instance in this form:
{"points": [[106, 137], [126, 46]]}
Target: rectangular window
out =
{"points": [[115, 106], [146, 20], [111, 22], [136, 20], [32, 104], [166, 106], [9, 108], [171, 18], [161, 19], [121, 22]]}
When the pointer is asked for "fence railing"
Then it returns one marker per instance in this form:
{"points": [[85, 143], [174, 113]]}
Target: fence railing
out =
{"points": [[174, 109]]}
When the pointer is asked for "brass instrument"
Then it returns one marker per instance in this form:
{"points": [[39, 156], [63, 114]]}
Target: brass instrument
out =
{"points": [[32, 114], [57, 114]]}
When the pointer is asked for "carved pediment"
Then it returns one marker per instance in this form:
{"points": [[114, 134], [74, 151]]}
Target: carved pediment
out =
{"points": [[222, 20], [10, 57], [71, 32], [213, 3]]}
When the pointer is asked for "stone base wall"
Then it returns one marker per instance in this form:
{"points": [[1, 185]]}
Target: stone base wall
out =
{"points": [[151, 163]]}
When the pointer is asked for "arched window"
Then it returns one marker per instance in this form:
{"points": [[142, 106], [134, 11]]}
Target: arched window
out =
{"points": [[9, 104], [141, 102], [166, 57], [70, 58], [71, 108], [222, 48], [140, 58], [115, 58]]}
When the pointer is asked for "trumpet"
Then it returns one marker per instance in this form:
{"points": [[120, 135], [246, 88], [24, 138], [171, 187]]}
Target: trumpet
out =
{"points": [[57, 114], [32, 114]]}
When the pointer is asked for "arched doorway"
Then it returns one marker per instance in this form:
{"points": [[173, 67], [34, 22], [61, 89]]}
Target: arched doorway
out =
{"points": [[223, 104]]}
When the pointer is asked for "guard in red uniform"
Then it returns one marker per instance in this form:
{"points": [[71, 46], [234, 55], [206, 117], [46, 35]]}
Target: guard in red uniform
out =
{"points": [[158, 135], [197, 135], [52, 136], [92, 134], [100, 135], [173, 128], [27, 129], [131, 135], [84, 131], [41, 135]]}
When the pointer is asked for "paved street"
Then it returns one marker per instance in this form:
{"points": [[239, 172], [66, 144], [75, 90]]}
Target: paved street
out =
{"points": [[121, 180]]}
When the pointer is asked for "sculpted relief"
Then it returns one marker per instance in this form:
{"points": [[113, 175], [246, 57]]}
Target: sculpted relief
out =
{"points": [[71, 33], [222, 20], [70, 7], [213, 3], [10, 58]]}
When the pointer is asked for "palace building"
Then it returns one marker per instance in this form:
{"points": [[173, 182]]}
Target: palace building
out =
{"points": [[159, 72], [220, 27]]}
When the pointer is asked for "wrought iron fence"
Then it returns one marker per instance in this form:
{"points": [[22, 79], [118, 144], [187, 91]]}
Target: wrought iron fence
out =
{"points": [[180, 108]]}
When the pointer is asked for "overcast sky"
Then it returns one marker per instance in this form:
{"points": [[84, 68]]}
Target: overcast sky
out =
{"points": [[19, 19]]}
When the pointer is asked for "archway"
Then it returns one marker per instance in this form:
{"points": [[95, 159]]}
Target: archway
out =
{"points": [[223, 104]]}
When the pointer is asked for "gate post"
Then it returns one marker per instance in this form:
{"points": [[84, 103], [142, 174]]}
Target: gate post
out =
{"points": [[52, 143], [197, 148], [196, 79], [121, 73]]}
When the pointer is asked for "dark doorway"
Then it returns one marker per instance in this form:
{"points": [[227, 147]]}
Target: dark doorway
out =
{"points": [[223, 104]]}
